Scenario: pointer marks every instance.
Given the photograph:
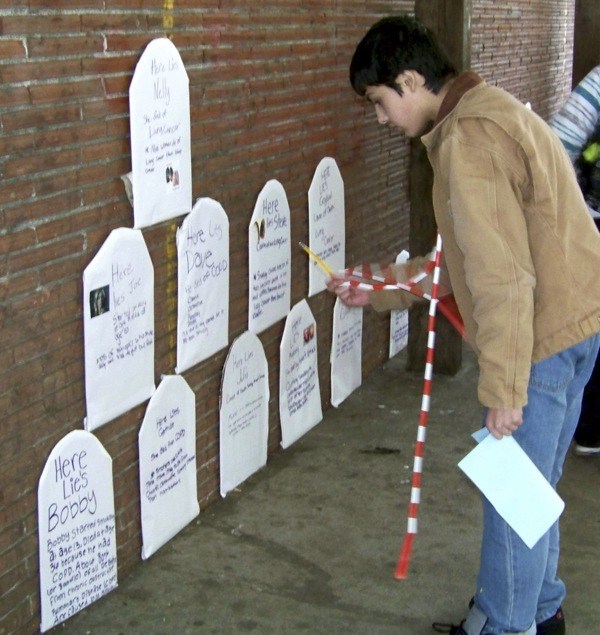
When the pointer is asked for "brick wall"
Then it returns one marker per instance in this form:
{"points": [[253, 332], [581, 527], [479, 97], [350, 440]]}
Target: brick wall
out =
{"points": [[525, 47], [269, 98]]}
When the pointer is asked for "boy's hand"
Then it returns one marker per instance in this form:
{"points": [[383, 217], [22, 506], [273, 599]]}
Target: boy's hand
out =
{"points": [[503, 421], [348, 295]]}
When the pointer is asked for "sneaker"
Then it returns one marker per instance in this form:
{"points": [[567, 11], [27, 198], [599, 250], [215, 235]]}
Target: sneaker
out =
{"points": [[554, 625], [452, 629], [587, 450]]}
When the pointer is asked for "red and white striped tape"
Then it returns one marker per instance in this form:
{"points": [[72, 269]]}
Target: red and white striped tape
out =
{"points": [[376, 277], [401, 570], [370, 277]]}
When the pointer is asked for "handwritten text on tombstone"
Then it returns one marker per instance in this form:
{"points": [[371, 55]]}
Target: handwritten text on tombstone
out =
{"points": [[203, 280], [160, 135], [78, 561], [118, 327], [269, 258]]}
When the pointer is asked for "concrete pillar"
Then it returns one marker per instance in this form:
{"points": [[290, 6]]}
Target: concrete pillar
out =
{"points": [[450, 20], [586, 42]]}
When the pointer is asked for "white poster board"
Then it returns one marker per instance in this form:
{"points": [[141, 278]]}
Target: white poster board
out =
{"points": [[299, 390], [346, 351], [118, 327], [159, 104], [326, 222], [167, 447], [203, 283], [244, 412], [269, 253], [76, 525], [399, 320]]}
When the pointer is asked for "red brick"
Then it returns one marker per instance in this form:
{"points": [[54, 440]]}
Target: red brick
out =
{"points": [[38, 209], [15, 241], [40, 70], [47, 46], [39, 256], [24, 24], [123, 64], [42, 162], [66, 90], [12, 49], [11, 144], [40, 117], [14, 95], [17, 284], [66, 4], [117, 42], [57, 228], [105, 150], [105, 108], [74, 133]]}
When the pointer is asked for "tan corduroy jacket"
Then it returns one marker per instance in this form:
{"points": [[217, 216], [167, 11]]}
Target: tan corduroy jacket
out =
{"points": [[519, 244]]}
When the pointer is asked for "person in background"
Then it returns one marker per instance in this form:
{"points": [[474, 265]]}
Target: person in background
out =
{"points": [[577, 125], [523, 262]]}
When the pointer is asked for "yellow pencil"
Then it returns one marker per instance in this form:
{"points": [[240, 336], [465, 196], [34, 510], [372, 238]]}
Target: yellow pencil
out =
{"points": [[326, 268]]}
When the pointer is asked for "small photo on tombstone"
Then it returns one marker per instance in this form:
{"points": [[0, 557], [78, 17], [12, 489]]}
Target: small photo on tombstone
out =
{"points": [[260, 229], [309, 333], [172, 177], [99, 301]]}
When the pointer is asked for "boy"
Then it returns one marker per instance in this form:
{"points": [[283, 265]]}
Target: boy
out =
{"points": [[522, 258]]}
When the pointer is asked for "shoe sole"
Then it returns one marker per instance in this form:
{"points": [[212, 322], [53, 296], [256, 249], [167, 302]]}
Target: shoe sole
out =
{"points": [[581, 450]]}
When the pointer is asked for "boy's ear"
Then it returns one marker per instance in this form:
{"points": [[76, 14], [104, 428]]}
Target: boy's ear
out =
{"points": [[410, 80]]}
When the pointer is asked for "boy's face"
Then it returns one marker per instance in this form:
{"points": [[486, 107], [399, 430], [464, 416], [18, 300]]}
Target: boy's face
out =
{"points": [[410, 112]]}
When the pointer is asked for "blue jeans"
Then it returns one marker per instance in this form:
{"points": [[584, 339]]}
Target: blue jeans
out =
{"points": [[518, 587]]}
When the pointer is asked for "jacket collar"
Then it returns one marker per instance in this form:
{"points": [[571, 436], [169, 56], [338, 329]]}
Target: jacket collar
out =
{"points": [[460, 85], [464, 82]]}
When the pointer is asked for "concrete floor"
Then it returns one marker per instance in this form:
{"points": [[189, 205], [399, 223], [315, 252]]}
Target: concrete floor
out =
{"points": [[309, 544]]}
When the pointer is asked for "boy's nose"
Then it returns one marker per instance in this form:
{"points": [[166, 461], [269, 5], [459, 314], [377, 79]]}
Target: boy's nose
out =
{"points": [[381, 116]]}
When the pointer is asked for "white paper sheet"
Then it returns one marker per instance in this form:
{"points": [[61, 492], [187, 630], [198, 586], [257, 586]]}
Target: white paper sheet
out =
{"points": [[346, 351], [299, 390], [514, 486], [167, 449], [76, 525], [244, 412], [203, 283], [326, 222], [159, 104], [118, 327], [269, 256], [399, 319]]}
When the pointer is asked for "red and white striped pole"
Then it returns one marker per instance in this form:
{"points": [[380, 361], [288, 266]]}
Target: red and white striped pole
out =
{"points": [[401, 571]]}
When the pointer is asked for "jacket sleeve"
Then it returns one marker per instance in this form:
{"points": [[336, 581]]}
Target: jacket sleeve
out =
{"points": [[486, 202], [387, 300]]}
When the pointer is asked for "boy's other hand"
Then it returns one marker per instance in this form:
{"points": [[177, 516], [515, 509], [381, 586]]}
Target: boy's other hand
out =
{"points": [[502, 422]]}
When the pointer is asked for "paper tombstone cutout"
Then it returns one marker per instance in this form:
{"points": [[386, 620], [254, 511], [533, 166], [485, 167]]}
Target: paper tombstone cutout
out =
{"points": [[76, 525], [346, 351], [269, 254], [399, 320], [167, 445], [159, 104], [326, 222], [299, 390], [244, 412], [118, 321], [203, 283]]}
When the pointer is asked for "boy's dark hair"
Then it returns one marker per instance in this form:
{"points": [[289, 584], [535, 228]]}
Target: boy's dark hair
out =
{"points": [[394, 45]]}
